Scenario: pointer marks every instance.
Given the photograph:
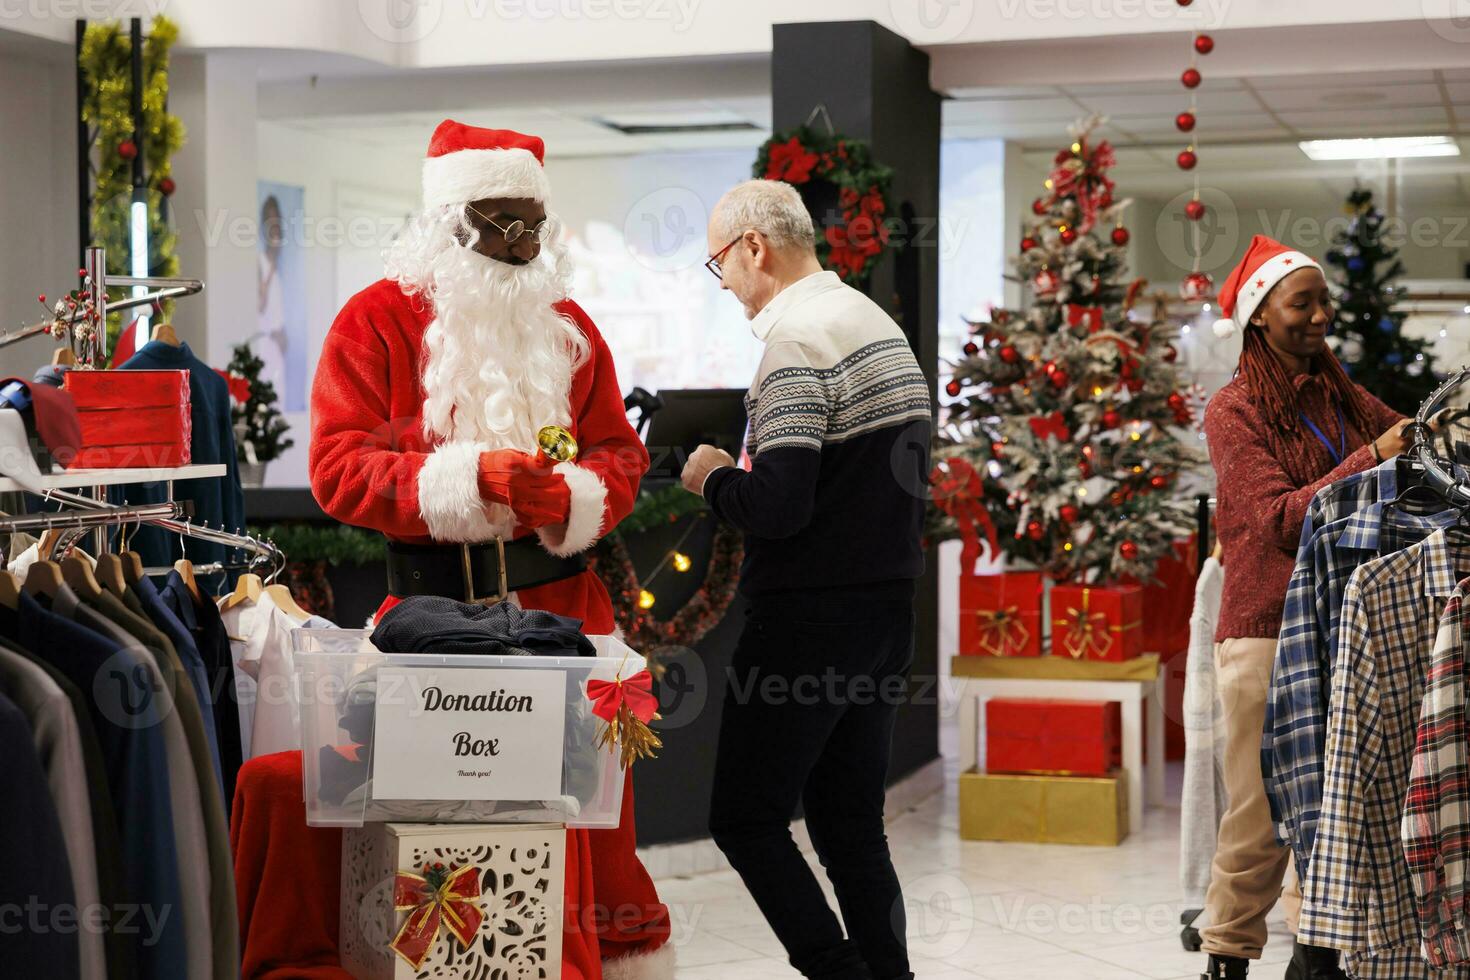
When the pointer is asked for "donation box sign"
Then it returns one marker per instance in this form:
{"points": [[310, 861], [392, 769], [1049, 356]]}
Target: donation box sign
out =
{"points": [[444, 733]]}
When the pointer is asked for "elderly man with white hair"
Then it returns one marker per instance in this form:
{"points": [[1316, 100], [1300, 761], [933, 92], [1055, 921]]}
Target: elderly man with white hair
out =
{"points": [[832, 509]]}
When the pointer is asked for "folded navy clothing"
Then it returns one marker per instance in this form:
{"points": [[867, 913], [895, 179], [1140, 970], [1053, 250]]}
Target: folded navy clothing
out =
{"points": [[435, 624]]}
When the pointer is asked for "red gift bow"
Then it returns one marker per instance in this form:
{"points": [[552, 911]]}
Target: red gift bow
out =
{"points": [[1054, 424], [958, 493], [1092, 314], [239, 387], [453, 902], [1002, 628], [609, 696]]}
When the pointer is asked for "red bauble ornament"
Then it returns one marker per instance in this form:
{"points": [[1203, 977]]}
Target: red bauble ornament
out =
{"points": [[1196, 286], [1176, 401], [1117, 499], [1128, 550], [1009, 354], [1171, 354], [1184, 122], [1035, 531], [1069, 513], [1187, 159], [1038, 206], [1068, 236], [1194, 210], [971, 349], [1060, 378], [1191, 78], [1204, 44], [1185, 3], [1046, 282], [1158, 482], [1085, 468], [953, 389], [996, 448], [1120, 235], [167, 186], [1111, 419], [1027, 244], [127, 149]]}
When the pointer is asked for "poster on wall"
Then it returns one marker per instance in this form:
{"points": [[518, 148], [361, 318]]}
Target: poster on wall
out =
{"points": [[280, 337]]}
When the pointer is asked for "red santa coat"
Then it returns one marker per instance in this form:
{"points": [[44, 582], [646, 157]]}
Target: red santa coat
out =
{"points": [[372, 466]]}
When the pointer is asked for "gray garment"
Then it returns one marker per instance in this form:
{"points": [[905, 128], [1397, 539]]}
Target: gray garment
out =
{"points": [[58, 742], [188, 809], [1203, 800]]}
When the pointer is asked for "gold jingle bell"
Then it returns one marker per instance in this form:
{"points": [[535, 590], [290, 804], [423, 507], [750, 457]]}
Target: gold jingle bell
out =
{"points": [[556, 443]]}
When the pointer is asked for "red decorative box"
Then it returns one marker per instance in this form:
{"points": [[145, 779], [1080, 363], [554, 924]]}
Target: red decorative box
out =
{"points": [[1000, 615], [131, 419], [1038, 735], [1097, 622]]}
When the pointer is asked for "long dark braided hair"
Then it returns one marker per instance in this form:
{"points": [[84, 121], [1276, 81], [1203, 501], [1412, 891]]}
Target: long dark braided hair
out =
{"points": [[1276, 395]]}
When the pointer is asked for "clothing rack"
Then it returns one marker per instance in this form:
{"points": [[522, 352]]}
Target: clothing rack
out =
{"points": [[1436, 475]]}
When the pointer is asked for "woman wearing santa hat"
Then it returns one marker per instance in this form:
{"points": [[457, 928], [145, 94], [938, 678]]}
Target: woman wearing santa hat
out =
{"points": [[1289, 423]]}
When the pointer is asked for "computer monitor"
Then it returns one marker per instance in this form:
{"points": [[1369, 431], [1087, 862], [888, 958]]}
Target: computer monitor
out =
{"points": [[689, 418]]}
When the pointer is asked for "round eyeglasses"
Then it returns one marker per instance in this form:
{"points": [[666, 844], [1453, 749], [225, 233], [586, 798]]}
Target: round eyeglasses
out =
{"points": [[517, 228]]}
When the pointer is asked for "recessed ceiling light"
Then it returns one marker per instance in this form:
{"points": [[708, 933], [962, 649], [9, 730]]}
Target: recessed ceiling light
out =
{"points": [[1380, 148]]}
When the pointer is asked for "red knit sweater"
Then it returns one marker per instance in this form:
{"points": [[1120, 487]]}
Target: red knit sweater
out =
{"points": [[1265, 480]]}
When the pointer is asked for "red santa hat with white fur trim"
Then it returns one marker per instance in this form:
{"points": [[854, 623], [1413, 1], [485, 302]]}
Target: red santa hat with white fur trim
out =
{"points": [[1265, 263], [469, 163]]}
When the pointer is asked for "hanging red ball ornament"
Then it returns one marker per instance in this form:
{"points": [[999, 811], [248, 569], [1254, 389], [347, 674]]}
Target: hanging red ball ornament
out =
{"points": [[1194, 210], [1111, 419], [1158, 482], [1191, 78], [996, 448], [1176, 401], [1046, 282], [1009, 354], [971, 349], [1028, 243], [1185, 3], [1068, 236], [953, 389], [167, 186], [1204, 44], [1035, 531], [1128, 550], [1038, 206], [1120, 235], [1184, 122], [1069, 513], [1187, 159], [1196, 286], [127, 149], [1060, 378]]}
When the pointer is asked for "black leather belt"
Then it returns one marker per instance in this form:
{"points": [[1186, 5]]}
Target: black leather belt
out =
{"points": [[475, 572]]}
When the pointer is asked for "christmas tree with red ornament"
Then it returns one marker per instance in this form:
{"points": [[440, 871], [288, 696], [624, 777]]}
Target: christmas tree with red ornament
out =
{"points": [[1069, 417]]}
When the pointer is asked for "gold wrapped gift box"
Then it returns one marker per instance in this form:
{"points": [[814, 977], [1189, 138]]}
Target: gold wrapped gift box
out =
{"points": [[1044, 809]]}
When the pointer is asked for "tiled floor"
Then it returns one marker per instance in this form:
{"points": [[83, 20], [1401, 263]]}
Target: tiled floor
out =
{"points": [[989, 910]]}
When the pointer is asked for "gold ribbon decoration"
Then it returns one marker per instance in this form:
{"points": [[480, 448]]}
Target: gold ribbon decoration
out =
{"points": [[440, 896], [1089, 631], [1001, 629]]}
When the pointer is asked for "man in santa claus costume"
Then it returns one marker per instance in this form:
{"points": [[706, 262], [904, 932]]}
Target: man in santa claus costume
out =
{"points": [[432, 386]]}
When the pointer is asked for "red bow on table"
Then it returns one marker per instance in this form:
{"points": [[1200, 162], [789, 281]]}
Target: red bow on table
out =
{"points": [[438, 897], [958, 493], [1054, 424], [627, 706]]}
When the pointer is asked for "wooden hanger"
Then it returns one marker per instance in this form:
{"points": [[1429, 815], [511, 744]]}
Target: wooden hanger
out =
{"points": [[78, 574], [286, 602], [47, 545], [44, 578], [132, 564], [9, 590], [111, 574], [248, 588], [63, 357], [164, 333], [185, 568]]}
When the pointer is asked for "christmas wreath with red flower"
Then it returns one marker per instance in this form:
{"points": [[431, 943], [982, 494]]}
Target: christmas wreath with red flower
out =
{"points": [[849, 245]]}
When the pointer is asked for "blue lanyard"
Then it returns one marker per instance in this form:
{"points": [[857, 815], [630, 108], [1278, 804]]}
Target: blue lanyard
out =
{"points": [[1338, 452]]}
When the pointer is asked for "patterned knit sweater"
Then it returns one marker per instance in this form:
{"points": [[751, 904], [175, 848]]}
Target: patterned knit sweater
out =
{"points": [[840, 423], [1265, 480]]}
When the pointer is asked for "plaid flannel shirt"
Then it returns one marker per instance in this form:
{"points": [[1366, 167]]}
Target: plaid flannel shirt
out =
{"points": [[1357, 894], [1436, 823], [1295, 736]]}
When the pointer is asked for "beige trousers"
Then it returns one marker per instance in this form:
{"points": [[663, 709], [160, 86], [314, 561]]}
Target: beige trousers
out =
{"points": [[1249, 866]]}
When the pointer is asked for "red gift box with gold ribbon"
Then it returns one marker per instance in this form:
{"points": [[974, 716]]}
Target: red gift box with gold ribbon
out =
{"points": [[1090, 622], [1051, 737], [1000, 615]]}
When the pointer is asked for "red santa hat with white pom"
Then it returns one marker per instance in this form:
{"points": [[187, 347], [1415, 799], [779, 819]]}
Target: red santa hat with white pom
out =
{"points": [[469, 163], [1265, 263]]}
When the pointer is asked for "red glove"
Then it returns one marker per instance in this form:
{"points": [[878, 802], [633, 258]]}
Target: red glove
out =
{"points": [[537, 495]]}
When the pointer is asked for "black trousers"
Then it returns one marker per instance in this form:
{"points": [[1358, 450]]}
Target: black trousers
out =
{"points": [[809, 712]]}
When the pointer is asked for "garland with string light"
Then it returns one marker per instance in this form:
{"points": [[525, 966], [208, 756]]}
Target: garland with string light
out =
{"points": [[105, 61], [633, 600]]}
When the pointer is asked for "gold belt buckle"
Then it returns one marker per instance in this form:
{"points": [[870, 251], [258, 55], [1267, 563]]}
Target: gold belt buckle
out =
{"points": [[469, 575]]}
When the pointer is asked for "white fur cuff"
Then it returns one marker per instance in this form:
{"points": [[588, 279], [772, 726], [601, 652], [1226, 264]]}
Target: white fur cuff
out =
{"points": [[470, 175], [657, 965], [449, 494], [584, 523]]}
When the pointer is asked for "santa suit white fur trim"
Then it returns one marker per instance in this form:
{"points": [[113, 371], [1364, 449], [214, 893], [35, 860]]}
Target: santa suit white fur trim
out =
{"points": [[584, 522], [449, 495], [657, 965], [471, 175]]}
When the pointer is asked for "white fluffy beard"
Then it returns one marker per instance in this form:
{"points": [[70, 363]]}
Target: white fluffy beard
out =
{"points": [[499, 360]]}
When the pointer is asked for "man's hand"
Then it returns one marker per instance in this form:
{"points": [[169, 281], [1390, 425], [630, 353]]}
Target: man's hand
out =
{"points": [[704, 459]]}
